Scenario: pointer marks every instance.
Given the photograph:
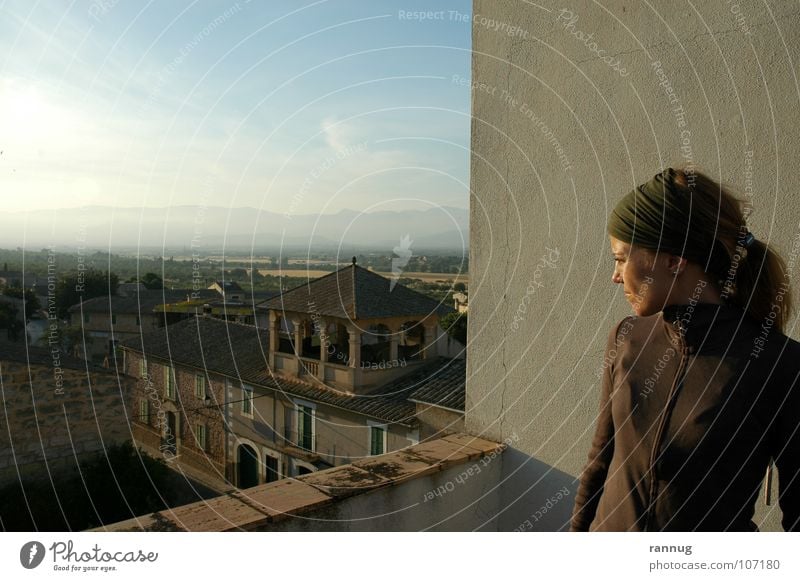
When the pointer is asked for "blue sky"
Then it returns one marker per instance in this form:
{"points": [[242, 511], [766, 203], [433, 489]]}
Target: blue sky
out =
{"points": [[287, 106]]}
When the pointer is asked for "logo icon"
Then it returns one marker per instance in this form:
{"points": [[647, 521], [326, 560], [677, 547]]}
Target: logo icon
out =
{"points": [[31, 554], [403, 253]]}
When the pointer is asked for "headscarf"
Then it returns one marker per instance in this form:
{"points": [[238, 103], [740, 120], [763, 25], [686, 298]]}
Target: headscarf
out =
{"points": [[659, 215]]}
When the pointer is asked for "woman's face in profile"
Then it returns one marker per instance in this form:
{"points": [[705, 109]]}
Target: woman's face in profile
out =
{"points": [[645, 280]]}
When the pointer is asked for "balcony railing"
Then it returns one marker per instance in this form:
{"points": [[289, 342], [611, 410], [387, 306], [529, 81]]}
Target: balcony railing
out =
{"points": [[310, 367]]}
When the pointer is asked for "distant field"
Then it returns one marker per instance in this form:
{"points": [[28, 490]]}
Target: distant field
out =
{"points": [[424, 276]]}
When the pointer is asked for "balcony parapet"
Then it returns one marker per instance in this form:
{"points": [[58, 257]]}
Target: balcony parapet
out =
{"points": [[265, 506]]}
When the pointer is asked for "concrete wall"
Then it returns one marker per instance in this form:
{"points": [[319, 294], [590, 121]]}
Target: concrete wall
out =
{"points": [[436, 422], [560, 132]]}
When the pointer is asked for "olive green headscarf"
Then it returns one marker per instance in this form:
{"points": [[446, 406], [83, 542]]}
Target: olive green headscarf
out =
{"points": [[658, 215]]}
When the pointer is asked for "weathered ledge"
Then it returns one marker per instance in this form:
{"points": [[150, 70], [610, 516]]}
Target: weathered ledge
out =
{"points": [[254, 508]]}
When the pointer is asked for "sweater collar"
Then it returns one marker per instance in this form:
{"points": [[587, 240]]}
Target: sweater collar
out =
{"points": [[691, 323]]}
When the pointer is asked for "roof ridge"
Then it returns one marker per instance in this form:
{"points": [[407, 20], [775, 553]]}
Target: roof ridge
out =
{"points": [[307, 283], [278, 379], [353, 289]]}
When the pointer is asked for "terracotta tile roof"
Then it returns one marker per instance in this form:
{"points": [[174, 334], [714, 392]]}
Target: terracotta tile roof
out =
{"points": [[446, 387], [239, 351], [138, 302], [356, 293], [219, 346]]}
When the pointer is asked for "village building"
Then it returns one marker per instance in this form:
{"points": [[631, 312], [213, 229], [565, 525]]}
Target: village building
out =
{"points": [[108, 320], [230, 415]]}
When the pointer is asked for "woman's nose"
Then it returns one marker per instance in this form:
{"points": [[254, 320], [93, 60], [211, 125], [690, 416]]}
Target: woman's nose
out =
{"points": [[616, 278]]}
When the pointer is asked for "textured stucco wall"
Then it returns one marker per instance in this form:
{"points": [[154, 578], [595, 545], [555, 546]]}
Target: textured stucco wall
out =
{"points": [[558, 135]]}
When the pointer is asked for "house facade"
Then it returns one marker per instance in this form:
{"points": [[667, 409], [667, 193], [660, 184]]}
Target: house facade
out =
{"points": [[255, 420], [107, 321]]}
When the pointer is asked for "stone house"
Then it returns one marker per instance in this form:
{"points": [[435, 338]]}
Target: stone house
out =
{"points": [[106, 321], [260, 422]]}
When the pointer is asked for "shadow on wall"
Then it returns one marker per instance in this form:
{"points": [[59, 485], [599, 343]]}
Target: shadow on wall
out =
{"points": [[534, 496]]}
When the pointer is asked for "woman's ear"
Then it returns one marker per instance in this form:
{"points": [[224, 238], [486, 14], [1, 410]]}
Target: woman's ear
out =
{"points": [[676, 264]]}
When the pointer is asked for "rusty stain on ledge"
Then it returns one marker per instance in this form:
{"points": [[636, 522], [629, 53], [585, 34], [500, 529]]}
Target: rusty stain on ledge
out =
{"points": [[252, 508]]}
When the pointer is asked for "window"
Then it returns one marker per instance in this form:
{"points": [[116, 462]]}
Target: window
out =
{"points": [[200, 436], [86, 317], [271, 473], [247, 401], [138, 321], [377, 440], [200, 386], [169, 382], [144, 410], [113, 319], [142, 367], [305, 427]]}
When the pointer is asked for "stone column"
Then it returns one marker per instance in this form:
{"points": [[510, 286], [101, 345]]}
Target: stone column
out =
{"points": [[355, 346], [394, 341], [323, 346], [430, 345], [298, 337], [274, 330]]}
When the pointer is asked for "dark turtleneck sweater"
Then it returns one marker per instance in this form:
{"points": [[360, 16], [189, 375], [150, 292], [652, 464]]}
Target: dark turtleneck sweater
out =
{"points": [[695, 400]]}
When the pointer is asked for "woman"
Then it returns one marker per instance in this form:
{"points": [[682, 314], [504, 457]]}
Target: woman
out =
{"points": [[700, 387]]}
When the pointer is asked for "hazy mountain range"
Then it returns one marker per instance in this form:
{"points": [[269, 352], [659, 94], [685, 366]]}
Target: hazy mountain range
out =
{"points": [[208, 229]]}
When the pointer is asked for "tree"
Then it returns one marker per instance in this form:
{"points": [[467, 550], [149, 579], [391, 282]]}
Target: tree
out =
{"points": [[152, 281], [459, 287], [83, 286], [455, 325], [9, 321], [32, 304]]}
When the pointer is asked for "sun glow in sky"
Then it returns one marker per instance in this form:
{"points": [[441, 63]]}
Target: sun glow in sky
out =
{"points": [[321, 105]]}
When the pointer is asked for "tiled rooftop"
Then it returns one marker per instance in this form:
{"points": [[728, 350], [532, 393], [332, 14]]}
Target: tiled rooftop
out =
{"points": [[445, 386], [135, 303], [356, 293], [258, 507], [238, 351]]}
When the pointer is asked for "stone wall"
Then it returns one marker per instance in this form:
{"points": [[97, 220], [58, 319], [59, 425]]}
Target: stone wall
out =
{"points": [[55, 417]]}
